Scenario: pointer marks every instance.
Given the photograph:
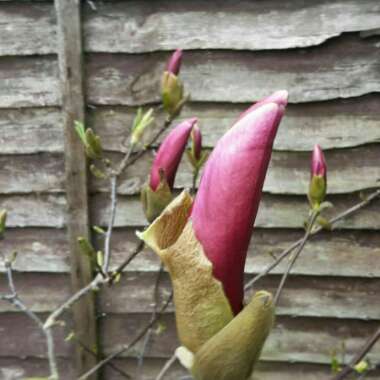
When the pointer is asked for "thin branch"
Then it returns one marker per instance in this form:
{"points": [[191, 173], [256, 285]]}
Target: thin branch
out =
{"points": [[15, 300], [166, 367], [129, 346], [347, 370], [370, 198], [312, 219], [126, 262], [194, 181]]}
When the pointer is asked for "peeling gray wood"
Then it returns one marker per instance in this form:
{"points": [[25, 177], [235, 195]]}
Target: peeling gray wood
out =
{"points": [[28, 82], [27, 29], [144, 26], [293, 339], [289, 172], [333, 70], [35, 210], [349, 253], [31, 130], [334, 124], [274, 212], [35, 173], [323, 297]]}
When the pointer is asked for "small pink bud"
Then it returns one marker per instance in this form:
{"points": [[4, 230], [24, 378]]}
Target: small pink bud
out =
{"points": [[318, 162], [196, 140], [226, 205], [169, 154], [174, 63]]}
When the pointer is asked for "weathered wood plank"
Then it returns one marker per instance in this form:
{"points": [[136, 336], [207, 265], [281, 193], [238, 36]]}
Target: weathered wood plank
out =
{"points": [[31, 130], [27, 29], [39, 249], [17, 368], [70, 57], [29, 81], [143, 26], [35, 210], [333, 70], [302, 296], [263, 371], [349, 253], [274, 212], [349, 171], [35, 173], [334, 124], [289, 172], [293, 339]]}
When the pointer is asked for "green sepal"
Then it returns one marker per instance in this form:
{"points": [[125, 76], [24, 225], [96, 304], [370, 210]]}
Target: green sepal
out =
{"points": [[3, 220], [232, 353], [196, 164], [172, 93], [154, 202], [317, 190], [140, 123], [94, 148]]}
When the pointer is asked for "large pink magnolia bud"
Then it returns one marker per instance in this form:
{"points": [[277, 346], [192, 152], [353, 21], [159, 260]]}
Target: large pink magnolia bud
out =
{"points": [[318, 178], [226, 205], [169, 154], [174, 63]]}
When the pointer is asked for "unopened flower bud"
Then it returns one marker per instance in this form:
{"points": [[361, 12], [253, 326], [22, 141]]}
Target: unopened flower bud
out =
{"points": [[174, 63], [318, 179], [195, 155], [3, 220], [172, 93], [140, 122]]}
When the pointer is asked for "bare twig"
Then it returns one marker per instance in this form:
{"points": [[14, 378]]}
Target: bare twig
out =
{"points": [[15, 300], [126, 262], [194, 182], [129, 346], [347, 370], [166, 367], [312, 219], [332, 221]]}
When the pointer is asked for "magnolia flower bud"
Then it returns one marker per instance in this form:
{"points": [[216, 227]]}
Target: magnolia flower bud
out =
{"points": [[318, 178], [174, 63], [226, 205], [157, 194], [195, 155]]}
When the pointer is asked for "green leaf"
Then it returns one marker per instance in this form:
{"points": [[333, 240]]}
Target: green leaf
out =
{"points": [[81, 131], [361, 367], [3, 220]]}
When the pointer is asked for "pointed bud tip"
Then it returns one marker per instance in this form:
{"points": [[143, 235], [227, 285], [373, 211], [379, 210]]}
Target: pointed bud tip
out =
{"points": [[318, 162], [174, 63]]}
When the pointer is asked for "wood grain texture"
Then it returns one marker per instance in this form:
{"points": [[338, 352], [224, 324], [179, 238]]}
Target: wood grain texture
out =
{"points": [[334, 124], [70, 58], [323, 297], [293, 339], [143, 26], [332, 70], [289, 172], [27, 29], [31, 130], [274, 212], [349, 253], [29, 81]]}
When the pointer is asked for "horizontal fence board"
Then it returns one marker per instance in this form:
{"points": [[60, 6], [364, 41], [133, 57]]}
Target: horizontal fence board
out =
{"points": [[333, 70], [349, 253], [21, 337], [31, 130], [143, 26], [289, 172], [27, 28], [334, 124], [136, 27], [39, 249], [263, 371], [34, 210], [274, 212], [28, 82], [16, 368], [293, 339], [35, 173], [302, 296]]}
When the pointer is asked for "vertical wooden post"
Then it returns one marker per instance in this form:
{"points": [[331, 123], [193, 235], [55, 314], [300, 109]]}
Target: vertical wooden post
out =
{"points": [[70, 57]]}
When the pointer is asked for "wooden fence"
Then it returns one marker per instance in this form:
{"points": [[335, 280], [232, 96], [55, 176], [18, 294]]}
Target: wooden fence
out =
{"points": [[326, 53]]}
